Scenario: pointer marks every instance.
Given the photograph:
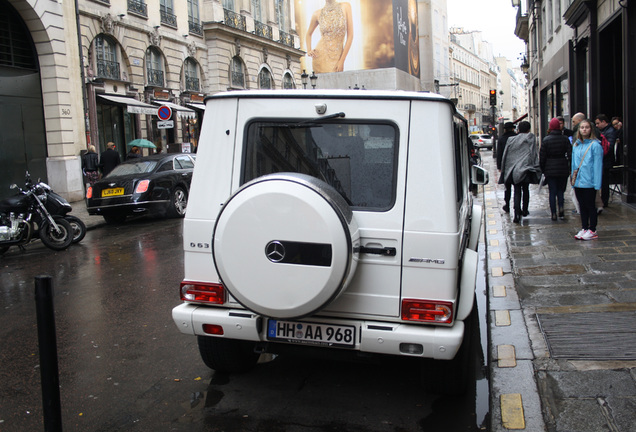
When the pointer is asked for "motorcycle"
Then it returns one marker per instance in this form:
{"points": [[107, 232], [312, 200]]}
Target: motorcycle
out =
{"points": [[25, 216], [58, 206]]}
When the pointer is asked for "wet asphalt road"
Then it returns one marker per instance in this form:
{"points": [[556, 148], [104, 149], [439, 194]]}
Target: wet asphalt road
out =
{"points": [[124, 366]]}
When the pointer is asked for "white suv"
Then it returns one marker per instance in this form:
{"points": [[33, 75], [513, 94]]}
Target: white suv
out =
{"points": [[334, 219]]}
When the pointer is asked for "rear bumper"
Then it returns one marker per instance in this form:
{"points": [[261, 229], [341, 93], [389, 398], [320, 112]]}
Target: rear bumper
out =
{"points": [[381, 337], [129, 208]]}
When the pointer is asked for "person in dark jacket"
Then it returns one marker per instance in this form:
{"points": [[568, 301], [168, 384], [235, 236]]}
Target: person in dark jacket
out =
{"points": [[605, 127], [109, 159], [90, 165], [555, 159], [509, 130], [133, 153]]}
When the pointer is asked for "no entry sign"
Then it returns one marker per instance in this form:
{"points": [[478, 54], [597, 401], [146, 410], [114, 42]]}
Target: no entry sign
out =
{"points": [[164, 112]]}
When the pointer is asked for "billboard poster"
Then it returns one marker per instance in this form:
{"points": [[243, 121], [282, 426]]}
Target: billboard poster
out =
{"points": [[358, 35]]}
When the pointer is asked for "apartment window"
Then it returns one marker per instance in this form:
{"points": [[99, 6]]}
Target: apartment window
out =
{"points": [[228, 4], [288, 81], [166, 10], [237, 78], [550, 18], [106, 57], [194, 22], [281, 14], [256, 10], [138, 7], [191, 76], [264, 79], [154, 67]]}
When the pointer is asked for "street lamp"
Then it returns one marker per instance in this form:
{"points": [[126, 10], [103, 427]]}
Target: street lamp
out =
{"points": [[524, 65], [303, 78], [313, 78]]}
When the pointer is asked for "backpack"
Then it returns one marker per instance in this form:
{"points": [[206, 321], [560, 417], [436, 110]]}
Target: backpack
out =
{"points": [[606, 145]]}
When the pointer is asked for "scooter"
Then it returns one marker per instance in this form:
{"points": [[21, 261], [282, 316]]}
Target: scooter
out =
{"points": [[25, 215]]}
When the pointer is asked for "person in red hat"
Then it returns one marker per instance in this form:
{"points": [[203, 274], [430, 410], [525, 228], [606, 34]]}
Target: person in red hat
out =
{"points": [[555, 159]]}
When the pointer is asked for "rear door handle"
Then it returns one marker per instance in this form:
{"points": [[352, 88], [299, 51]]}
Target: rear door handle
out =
{"points": [[386, 251]]}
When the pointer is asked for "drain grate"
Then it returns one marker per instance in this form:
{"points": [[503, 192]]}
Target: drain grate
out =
{"points": [[590, 335]]}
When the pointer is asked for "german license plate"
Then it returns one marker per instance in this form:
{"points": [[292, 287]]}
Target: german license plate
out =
{"points": [[112, 192], [311, 333]]}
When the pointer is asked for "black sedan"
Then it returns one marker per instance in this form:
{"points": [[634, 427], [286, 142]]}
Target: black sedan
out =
{"points": [[153, 185]]}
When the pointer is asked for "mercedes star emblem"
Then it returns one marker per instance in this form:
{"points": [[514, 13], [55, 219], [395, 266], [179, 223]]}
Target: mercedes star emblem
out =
{"points": [[275, 251]]}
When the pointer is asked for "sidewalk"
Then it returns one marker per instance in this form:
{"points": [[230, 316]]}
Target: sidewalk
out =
{"points": [[79, 211], [562, 317]]}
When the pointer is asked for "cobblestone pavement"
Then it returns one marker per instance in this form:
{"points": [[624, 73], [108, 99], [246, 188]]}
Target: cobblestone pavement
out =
{"points": [[563, 316]]}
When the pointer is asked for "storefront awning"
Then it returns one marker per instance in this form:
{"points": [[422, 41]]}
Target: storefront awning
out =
{"points": [[520, 118], [183, 112], [195, 105], [133, 105]]}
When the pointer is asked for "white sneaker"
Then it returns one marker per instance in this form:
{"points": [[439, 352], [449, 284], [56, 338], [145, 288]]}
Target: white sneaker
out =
{"points": [[579, 235], [589, 235]]}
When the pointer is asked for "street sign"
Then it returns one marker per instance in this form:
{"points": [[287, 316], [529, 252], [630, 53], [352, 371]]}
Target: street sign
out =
{"points": [[166, 124], [164, 112]]}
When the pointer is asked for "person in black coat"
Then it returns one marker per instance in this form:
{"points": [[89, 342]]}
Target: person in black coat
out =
{"points": [[555, 160], [509, 130], [109, 159], [90, 165]]}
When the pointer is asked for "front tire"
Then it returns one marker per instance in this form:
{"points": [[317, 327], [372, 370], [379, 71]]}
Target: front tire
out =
{"points": [[178, 203], [79, 228], [56, 238], [227, 355]]}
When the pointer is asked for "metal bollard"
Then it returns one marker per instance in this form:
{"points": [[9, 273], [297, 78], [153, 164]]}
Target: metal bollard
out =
{"points": [[51, 405]]}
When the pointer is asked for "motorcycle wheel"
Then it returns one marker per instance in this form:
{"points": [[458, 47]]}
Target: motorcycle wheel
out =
{"points": [[57, 239], [79, 228]]}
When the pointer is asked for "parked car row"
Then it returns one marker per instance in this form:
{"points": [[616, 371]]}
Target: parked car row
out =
{"points": [[152, 185]]}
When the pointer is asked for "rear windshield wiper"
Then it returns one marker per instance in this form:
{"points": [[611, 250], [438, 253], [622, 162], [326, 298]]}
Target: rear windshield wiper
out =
{"points": [[311, 122]]}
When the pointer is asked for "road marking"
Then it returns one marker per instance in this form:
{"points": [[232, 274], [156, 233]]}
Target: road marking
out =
{"points": [[512, 411], [494, 242], [499, 291], [506, 356], [497, 271], [502, 318]]}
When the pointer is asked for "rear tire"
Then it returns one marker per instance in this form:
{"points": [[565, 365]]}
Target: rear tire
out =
{"points": [[450, 377], [79, 228], [227, 355], [178, 203], [58, 239]]}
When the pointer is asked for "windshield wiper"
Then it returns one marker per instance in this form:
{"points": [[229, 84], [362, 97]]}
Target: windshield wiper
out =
{"points": [[311, 122]]}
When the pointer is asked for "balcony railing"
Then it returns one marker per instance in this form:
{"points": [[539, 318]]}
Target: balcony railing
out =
{"points": [[233, 19], [263, 30], [195, 27], [107, 69], [286, 38], [191, 84], [167, 17], [155, 77], [138, 6]]}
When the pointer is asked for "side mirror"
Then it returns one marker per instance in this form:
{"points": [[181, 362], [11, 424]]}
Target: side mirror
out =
{"points": [[479, 176]]}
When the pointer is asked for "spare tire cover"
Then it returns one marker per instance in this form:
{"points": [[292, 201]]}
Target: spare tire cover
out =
{"points": [[285, 245]]}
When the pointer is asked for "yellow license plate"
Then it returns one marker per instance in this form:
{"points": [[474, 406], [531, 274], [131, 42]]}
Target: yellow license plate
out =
{"points": [[112, 192]]}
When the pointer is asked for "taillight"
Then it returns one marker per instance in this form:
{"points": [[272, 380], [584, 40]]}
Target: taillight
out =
{"points": [[213, 329], [142, 186], [89, 192], [199, 292], [432, 311]]}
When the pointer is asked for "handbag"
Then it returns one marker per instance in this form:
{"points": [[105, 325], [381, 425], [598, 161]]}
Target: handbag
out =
{"points": [[576, 171]]}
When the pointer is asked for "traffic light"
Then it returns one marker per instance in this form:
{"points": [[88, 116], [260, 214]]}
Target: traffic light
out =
{"points": [[493, 97]]}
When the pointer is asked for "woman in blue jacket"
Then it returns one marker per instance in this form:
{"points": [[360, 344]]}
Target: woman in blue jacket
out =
{"points": [[587, 168]]}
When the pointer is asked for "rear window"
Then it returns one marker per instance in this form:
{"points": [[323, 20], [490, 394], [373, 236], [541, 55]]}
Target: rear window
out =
{"points": [[133, 168], [358, 159]]}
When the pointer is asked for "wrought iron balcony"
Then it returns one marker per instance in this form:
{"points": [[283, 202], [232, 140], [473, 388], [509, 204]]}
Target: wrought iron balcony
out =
{"points": [[263, 30], [195, 27], [155, 77], [107, 69], [233, 19], [138, 6], [286, 38], [191, 84], [167, 17]]}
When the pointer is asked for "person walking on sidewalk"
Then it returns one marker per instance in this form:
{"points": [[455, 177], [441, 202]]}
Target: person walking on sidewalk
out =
{"points": [[90, 165], [520, 167], [509, 131], [587, 177], [554, 158], [109, 159]]}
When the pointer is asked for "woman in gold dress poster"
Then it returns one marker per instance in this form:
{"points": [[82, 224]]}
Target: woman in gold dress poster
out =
{"points": [[336, 30]]}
